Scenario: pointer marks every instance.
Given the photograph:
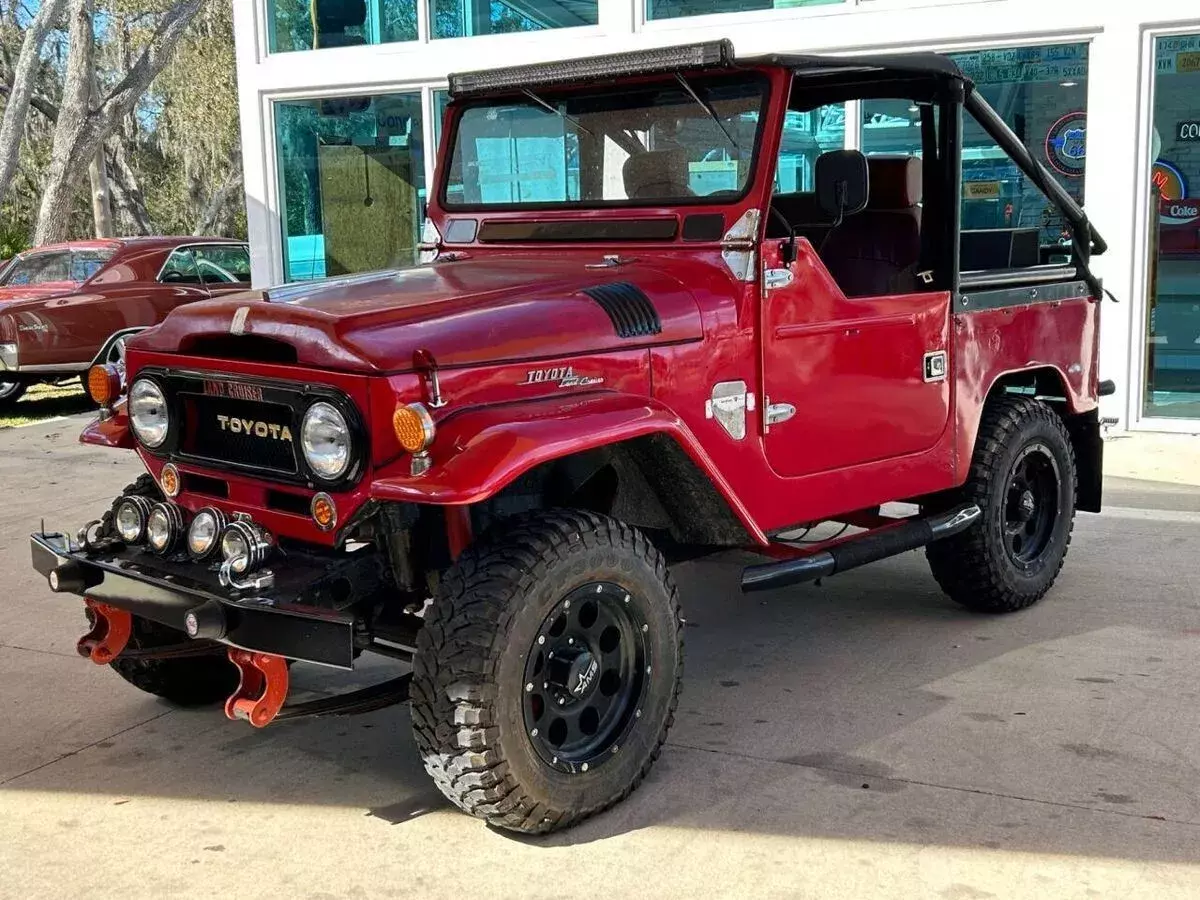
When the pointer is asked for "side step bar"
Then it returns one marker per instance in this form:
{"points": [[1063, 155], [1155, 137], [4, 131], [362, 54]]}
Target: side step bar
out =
{"points": [[860, 550]]}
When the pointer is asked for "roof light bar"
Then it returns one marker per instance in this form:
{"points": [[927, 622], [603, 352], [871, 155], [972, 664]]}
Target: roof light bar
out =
{"points": [[710, 55]]}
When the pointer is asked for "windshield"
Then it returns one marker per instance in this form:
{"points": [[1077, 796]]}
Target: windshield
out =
{"points": [[670, 142], [57, 265]]}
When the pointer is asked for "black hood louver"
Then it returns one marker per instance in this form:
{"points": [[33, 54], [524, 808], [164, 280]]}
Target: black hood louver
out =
{"points": [[632, 313]]}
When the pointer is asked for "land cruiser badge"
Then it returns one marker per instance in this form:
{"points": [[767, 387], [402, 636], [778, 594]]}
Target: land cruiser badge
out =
{"points": [[564, 375]]}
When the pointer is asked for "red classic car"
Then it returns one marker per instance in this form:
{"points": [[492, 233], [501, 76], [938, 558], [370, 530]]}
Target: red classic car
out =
{"points": [[65, 306]]}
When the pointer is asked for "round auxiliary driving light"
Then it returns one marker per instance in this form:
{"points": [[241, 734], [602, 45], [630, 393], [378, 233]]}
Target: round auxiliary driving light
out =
{"points": [[244, 546], [205, 532], [130, 518], [164, 527], [169, 480]]}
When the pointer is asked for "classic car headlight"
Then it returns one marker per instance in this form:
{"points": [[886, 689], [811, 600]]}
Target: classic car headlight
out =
{"points": [[148, 412], [325, 438]]}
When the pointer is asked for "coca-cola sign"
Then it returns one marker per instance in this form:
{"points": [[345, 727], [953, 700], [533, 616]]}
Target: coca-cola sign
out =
{"points": [[1178, 212]]}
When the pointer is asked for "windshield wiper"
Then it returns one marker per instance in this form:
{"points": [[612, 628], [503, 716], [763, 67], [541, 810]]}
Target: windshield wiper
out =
{"points": [[712, 113], [558, 112]]}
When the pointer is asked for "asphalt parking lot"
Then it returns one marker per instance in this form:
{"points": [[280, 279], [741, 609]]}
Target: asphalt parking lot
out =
{"points": [[861, 739]]}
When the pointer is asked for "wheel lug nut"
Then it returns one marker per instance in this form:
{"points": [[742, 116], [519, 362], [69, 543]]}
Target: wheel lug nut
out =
{"points": [[541, 639], [638, 714], [584, 767], [533, 733], [615, 748], [561, 701], [626, 598], [570, 640], [529, 687], [567, 604], [647, 670], [645, 627]]}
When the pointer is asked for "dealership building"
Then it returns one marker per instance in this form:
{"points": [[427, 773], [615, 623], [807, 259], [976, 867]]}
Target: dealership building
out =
{"points": [[342, 101]]}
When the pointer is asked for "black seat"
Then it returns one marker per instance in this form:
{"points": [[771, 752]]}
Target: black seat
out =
{"points": [[869, 254]]}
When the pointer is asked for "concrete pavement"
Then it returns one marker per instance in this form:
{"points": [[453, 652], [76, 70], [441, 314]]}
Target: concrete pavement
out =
{"points": [[862, 739]]}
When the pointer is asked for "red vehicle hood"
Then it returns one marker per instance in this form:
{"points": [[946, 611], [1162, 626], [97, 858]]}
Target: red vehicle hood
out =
{"points": [[36, 291], [464, 313]]}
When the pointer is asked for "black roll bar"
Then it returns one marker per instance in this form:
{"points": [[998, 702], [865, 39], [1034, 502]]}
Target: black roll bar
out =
{"points": [[999, 131]]}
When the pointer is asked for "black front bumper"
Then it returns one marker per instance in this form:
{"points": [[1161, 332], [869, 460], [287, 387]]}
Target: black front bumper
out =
{"points": [[165, 592]]}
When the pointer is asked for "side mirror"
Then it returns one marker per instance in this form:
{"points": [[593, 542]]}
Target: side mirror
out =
{"points": [[842, 183]]}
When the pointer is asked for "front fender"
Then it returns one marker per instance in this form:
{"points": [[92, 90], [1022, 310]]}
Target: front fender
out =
{"points": [[112, 431], [478, 452]]}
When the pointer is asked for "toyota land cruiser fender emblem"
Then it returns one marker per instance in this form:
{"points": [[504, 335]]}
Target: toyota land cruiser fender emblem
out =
{"points": [[564, 375]]}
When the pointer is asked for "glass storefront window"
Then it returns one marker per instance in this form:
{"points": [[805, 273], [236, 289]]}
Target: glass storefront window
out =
{"points": [[1173, 320], [312, 24], [806, 135], [674, 9], [464, 18], [1041, 92], [351, 183]]}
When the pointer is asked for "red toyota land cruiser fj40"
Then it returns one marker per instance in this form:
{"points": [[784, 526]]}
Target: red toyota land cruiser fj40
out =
{"points": [[623, 346]]}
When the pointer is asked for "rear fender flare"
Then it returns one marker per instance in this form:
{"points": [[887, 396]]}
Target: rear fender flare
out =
{"points": [[478, 452]]}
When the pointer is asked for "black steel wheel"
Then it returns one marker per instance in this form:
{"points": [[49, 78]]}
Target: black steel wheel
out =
{"points": [[547, 674], [585, 676], [1031, 506], [1023, 479]]}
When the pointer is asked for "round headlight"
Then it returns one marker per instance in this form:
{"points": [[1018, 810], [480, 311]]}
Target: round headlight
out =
{"points": [[148, 412], [130, 518], [204, 532], [164, 527], [325, 438]]}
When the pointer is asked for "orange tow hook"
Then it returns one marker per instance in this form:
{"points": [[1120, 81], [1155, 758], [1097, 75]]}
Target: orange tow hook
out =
{"points": [[262, 687], [111, 628]]}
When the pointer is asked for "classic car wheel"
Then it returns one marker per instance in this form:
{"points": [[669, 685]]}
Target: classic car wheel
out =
{"points": [[10, 392], [548, 672], [1023, 478]]}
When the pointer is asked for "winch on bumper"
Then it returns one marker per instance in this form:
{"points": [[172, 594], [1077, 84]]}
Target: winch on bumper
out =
{"points": [[188, 597]]}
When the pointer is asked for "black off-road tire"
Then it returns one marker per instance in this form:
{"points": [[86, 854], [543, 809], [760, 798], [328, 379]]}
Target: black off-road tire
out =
{"points": [[975, 567], [469, 675], [188, 681]]}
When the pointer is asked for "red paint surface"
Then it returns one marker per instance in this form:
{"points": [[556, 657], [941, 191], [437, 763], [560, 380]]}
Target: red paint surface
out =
{"points": [[868, 428]]}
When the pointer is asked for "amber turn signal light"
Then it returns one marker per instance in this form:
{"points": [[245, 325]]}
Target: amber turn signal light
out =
{"points": [[324, 513], [169, 480], [413, 426], [104, 384]]}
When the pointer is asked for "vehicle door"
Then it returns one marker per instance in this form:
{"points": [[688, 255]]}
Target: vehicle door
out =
{"points": [[855, 354]]}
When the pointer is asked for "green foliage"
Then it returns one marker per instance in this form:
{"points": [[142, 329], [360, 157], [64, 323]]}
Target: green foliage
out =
{"points": [[181, 149]]}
